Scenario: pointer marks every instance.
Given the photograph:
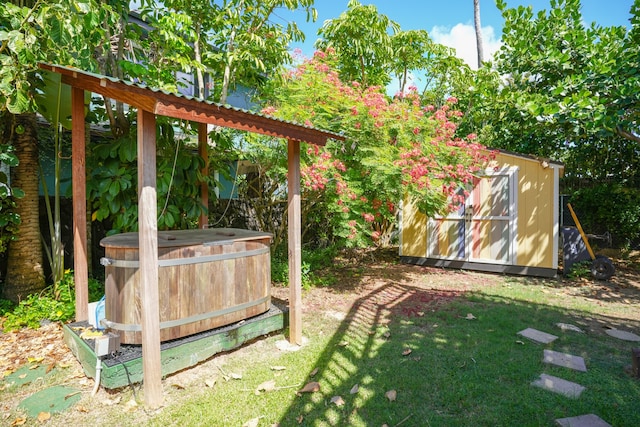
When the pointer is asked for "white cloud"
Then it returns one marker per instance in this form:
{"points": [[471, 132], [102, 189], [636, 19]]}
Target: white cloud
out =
{"points": [[462, 38]]}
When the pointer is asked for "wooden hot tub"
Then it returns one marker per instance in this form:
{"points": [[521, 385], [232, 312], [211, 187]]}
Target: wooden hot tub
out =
{"points": [[206, 279]]}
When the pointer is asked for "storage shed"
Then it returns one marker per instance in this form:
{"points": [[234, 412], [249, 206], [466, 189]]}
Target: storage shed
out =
{"points": [[508, 224]]}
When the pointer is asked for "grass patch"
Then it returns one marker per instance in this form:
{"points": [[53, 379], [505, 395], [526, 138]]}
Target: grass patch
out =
{"points": [[446, 342], [459, 372]]}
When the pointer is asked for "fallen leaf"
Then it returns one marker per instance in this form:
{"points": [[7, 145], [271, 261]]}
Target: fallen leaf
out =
{"points": [[35, 359], [406, 351], [44, 416], [235, 376], [19, 422], [420, 314], [310, 387], [82, 409], [391, 395], [210, 382], [89, 334], [111, 402], [313, 373], [131, 405], [343, 343], [22, 376], [266, 386], [520, 342], [278, 368], [470, 316], [177, 386], [354, 389], [338, 400], [253, 422], [50, 367], [386, 334], [300, 419], [32, 367]]}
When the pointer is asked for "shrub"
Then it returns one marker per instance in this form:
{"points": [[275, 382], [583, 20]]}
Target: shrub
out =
{"points": [[56, 303], [609, 207]]}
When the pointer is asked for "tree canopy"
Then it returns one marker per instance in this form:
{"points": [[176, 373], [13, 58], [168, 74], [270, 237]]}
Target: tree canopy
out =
{"points": [[566, 90]]}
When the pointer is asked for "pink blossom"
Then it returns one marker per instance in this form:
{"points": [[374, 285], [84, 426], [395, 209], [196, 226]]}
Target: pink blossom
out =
{"points": [[368, 217], [269, 110]]}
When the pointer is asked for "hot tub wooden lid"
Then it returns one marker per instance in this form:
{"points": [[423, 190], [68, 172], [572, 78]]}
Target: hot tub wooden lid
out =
{"points": [[212, 236]]}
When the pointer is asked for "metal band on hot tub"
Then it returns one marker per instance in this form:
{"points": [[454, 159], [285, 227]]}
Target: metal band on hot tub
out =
{"points": [[134, 327], [183, 261]]}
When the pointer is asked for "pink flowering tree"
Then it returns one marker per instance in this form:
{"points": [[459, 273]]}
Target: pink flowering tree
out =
{"points": [[395, 147]]}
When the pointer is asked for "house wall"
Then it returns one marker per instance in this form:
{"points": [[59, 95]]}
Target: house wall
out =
{"points": [[536, 242]]}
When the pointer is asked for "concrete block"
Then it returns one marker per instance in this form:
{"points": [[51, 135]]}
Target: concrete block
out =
{"points": [[538, 336], [558, 385], [565, 360], [589, 420]]}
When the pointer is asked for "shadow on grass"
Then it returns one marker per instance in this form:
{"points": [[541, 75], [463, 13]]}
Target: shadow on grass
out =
{"points": [[466, 365]]}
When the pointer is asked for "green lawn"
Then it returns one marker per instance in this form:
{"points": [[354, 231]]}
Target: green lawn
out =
{"points": [[445, 342], [462, 370]]}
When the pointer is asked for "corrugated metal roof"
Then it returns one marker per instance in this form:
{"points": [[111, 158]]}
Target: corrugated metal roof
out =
{"points": [[91, 81]]}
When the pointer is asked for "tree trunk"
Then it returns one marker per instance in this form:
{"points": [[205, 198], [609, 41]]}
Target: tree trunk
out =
{"points": [[25, 274], [478, 27]]}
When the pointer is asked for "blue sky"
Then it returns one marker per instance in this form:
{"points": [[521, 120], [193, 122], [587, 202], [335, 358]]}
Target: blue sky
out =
{"points": [[450, 22]]}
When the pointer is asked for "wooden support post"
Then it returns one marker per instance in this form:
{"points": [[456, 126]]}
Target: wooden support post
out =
{"points": [[80, 268], [148, 242], [295, 244], [203, 150]]}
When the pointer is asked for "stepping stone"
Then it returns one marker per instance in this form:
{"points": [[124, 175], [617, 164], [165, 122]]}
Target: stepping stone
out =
{"points": [[537, 336], [565, 360], [53, 399], [558, 385], [623, 335], [27, 374], [569, 327], [589, 420]]}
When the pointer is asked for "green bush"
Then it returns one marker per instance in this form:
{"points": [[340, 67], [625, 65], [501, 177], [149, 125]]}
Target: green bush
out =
{"points": [[580, 270], [56, 303], [312, 261], [609, 207]]}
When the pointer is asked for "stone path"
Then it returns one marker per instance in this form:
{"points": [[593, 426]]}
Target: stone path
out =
{"points": [[569, 361], [559, 385]]}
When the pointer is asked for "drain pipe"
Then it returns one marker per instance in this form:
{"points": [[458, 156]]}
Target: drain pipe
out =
{"points": [[96, 384]]}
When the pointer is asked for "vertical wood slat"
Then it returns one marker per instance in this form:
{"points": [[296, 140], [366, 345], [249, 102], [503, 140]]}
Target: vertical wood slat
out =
{"points": [[295, 244], [203, 221], [148, 238], [80, 268]]}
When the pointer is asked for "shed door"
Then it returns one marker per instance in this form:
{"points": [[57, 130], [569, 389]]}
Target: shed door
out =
{"points": [[484, 229]]}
